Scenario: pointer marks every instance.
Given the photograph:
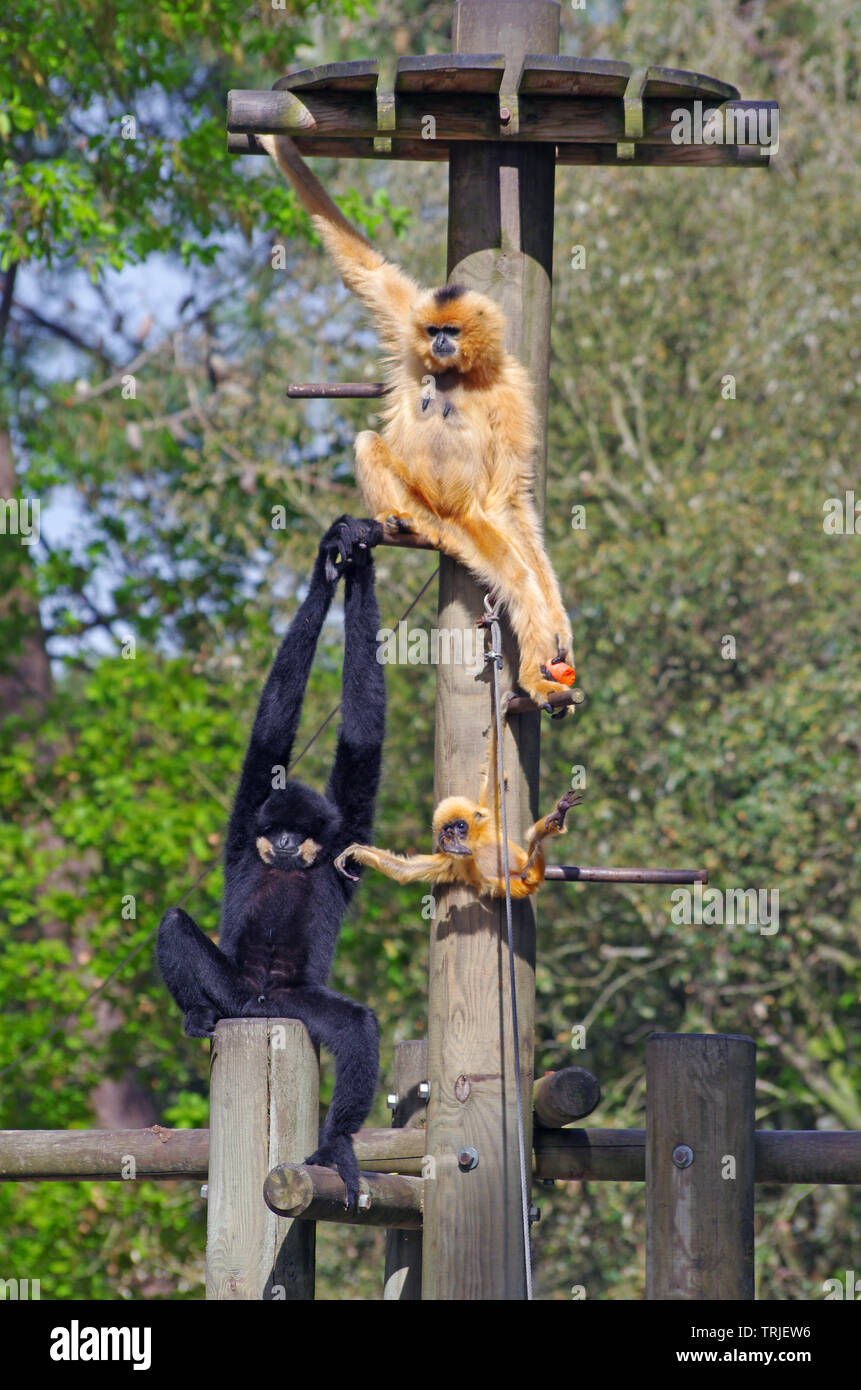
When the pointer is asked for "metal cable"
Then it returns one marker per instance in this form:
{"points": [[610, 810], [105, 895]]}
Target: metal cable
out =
{"points": [[494, 656]]}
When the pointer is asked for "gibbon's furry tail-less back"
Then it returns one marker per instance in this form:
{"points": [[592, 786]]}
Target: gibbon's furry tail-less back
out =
{"points": [[454, 461]]}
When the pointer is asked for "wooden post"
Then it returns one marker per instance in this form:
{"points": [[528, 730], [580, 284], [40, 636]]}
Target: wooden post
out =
{"points": [[404, 1248], [700, 1160], [264, 1094], [500, 242]]}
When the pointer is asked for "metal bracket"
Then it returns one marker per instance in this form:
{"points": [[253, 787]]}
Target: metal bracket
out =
{"points": [[386, 108], [632, 102]]}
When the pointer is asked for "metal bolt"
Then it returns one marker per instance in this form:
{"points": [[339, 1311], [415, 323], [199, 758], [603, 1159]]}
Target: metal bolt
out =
{"points": [[683, 1157], [467, 1159], [534, 1215], [364, 1202], [424, 1090], [504, 115], [393, 1100], [204, 1191]]}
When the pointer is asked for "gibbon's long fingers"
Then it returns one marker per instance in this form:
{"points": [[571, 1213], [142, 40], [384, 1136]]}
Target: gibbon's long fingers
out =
{"points": [[419, 868], [549, 825]]}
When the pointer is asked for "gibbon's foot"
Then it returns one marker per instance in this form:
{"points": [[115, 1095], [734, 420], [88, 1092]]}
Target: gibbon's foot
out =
{"points": [[563, 805], [341, 864], [200, 1021], [339, 1153], [348, 542], [538, 691], [397, 524]]}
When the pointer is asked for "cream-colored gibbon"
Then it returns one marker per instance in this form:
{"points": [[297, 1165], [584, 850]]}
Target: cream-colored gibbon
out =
{"points": [[454, 461], [467, 837]]}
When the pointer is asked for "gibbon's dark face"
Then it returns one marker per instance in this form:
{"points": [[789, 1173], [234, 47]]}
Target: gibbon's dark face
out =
{"points": [[457, 329], [296, 828], [452, 838], [454, 824]]}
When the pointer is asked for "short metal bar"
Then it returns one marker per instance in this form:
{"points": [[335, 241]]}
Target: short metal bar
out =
{"points": [[584, 873], [337, 390], [521, 704]]}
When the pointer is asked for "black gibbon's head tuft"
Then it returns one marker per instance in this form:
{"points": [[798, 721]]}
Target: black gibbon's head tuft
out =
{"points": [[296, 828], [458, 329], [446, 293]]}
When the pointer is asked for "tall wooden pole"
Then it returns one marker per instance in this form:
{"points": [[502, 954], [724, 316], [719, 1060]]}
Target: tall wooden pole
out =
{"points": [[700, 1166], [500, 242], [264, 1101], [404, 1248]]}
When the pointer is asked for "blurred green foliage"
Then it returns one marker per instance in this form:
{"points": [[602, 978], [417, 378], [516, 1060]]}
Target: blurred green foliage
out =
{"points": [[703, 521]]}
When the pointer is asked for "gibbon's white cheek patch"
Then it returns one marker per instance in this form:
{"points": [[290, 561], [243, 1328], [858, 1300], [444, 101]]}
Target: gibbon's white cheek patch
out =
{"points": [[264, 849], [309, 849]]}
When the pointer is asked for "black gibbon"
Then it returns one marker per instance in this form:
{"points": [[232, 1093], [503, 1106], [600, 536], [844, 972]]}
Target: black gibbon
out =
{"points": [[454, 462], [283, 898]]}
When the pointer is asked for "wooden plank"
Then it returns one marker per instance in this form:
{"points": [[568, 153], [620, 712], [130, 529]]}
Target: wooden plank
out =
{"points": [[676, 82], [699, 1166], [817, 1155], [403, 1270], [434, 151], [85, 1154], [355, 76], [471, 72], [264, 1110], [451, 72], [591, 1155], [462, 116], [403, 1280], [294, 1119], [667, 156], [619, 1155], [544, 72]]}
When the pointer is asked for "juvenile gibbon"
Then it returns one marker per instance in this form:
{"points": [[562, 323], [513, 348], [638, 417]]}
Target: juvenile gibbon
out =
{"points": [[454, 462], [468, 840]]}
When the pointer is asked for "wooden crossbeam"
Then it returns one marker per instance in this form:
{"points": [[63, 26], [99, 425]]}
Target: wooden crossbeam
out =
{"points": [[333, 115], [439, 151]]}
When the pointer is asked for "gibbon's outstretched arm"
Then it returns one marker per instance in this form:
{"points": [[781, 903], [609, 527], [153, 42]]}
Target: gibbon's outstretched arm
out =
{"points": [[554, 824], [415, 868], [355, 774], [277, 719], [386, 290]]}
